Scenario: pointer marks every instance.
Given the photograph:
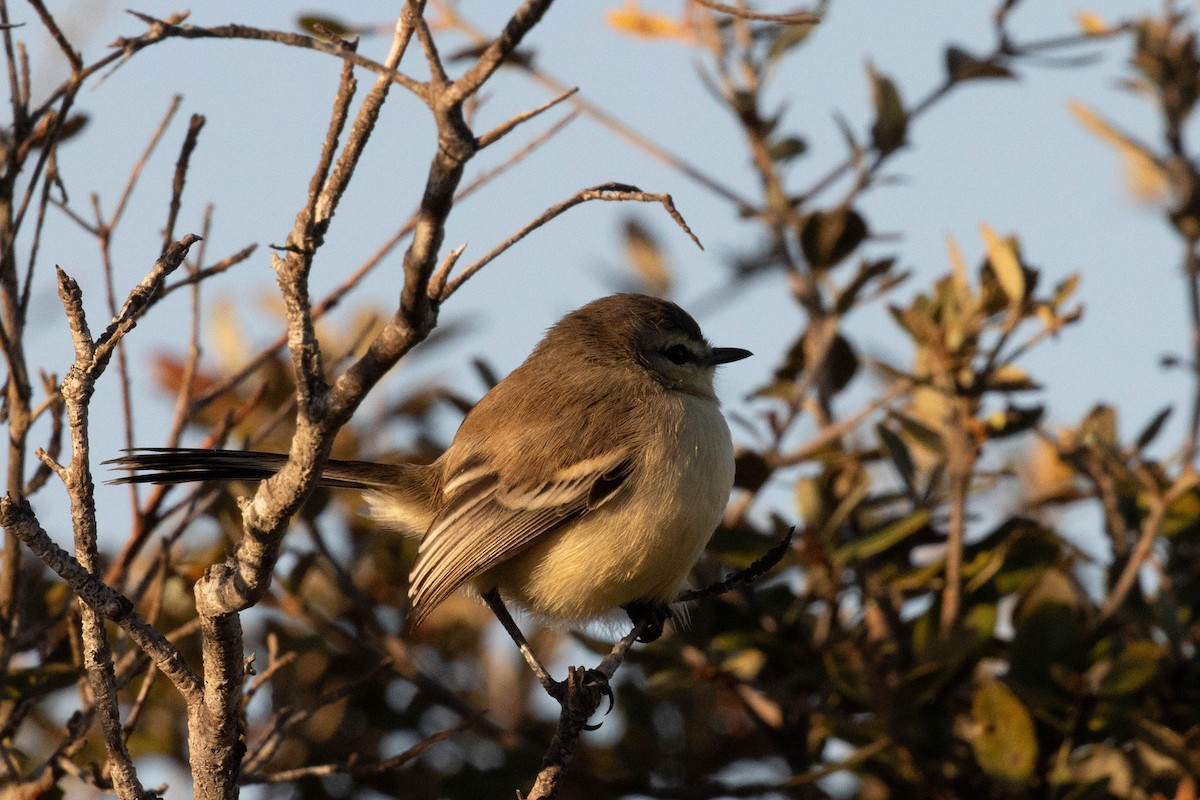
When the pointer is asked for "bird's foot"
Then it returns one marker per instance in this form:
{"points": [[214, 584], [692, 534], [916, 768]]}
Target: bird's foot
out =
{"points": [[655, 615], [592, 681]]}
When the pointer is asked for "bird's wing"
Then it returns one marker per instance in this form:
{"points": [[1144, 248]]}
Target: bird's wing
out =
{"points": [[486, 521]]}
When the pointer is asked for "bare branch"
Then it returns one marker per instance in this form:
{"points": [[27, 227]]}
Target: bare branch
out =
{"points": [[501, 48], [364, 122], [500, 131], [429, 46], [347, 86], [207, 272], [17, 517], [354, 767], [607, 191], [195, 125], [1160, 506], [57, 34], [139, 299], [744, 577], [437, 284], [106, 228], [334, 298], [165, 29]]}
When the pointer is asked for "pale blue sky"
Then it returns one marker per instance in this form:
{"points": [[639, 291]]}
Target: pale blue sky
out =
{"points": [[1007, 153]]}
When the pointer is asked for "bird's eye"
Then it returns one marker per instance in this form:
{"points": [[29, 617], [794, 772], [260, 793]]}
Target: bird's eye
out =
{"points": [[678, 354]]}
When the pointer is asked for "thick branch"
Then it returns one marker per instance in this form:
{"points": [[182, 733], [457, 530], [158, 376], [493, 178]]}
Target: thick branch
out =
{"points": [[521, 22]]}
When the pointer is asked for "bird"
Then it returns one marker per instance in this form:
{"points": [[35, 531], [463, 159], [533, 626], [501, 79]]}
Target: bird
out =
{"points": [[588, 480]]}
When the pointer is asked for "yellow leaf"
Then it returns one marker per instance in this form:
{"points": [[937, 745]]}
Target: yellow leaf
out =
{"points": [[1147, 178], [1044, 475], [228, 336], [1002, 735], [646, 258], [957, 264], [633, 20], [1002, 255], [1091, 23]]}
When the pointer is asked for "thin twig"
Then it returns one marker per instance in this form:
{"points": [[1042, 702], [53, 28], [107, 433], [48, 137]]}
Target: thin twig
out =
{"points": [[500, 131], [18, 518], [355, 767], [609, 121], [613, 192], [56, 33], [181, 169], [831, 433], [161, 29], [334, 298], [792, 18], [744, 577], [107, 226], [199, 275], [1160, 506]]}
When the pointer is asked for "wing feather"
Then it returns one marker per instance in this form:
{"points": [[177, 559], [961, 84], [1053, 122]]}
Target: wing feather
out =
{"points": [[485, 522]]}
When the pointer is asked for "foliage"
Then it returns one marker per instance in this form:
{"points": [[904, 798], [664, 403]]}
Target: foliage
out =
{"points": [[925, 636]]}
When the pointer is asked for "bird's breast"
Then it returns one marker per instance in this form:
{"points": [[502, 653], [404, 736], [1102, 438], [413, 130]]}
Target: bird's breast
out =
{"points": [[641, 544]]}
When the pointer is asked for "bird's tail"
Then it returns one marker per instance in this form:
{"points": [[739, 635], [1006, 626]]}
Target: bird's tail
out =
{"points": [[187, 465]]}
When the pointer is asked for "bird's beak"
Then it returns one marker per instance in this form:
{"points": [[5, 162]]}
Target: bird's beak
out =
{"points": [[723, 355]]}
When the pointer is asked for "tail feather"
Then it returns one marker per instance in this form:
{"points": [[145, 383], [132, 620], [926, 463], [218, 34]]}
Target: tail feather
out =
{"points": [[166, 465]]}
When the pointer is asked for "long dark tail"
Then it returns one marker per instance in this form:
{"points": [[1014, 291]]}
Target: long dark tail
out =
{"points": [[188, 464]]}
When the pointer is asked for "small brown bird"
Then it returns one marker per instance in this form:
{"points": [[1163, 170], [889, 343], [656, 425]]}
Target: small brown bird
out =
{"points": [[590, 479]]}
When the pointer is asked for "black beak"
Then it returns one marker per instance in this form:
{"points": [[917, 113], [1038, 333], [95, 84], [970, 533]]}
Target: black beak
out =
{"points": [[723, 355]]}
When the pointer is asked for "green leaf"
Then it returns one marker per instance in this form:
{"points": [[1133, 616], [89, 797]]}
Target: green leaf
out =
{"points": [[898, 451], [883, 538], [1183, 515], [1010, 378], [924, 435], [867, 272], [1065, 288], [810, 502], [891, 120], [789, 36], [1133, 669], [828, 237], [1048, 641], [917, 324], [1099, 428], [1013, 420], [1153, 428], [962, 66], [842, 362], [750, 471], [787, 148], [325, 27], [1002, 735]]}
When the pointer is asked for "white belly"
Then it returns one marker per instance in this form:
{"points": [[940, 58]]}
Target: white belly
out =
{"points": [[642, 544]]}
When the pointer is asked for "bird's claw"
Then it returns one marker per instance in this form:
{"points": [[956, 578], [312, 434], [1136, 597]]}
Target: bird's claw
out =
{"points": [[591, 680]]}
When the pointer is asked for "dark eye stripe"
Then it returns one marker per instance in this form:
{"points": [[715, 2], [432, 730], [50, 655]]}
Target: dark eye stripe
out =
{"points": [[678, 354]]}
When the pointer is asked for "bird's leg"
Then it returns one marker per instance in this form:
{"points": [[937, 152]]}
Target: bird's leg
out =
{"points": [[655, 615], [492, 598], [556, 689]]}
